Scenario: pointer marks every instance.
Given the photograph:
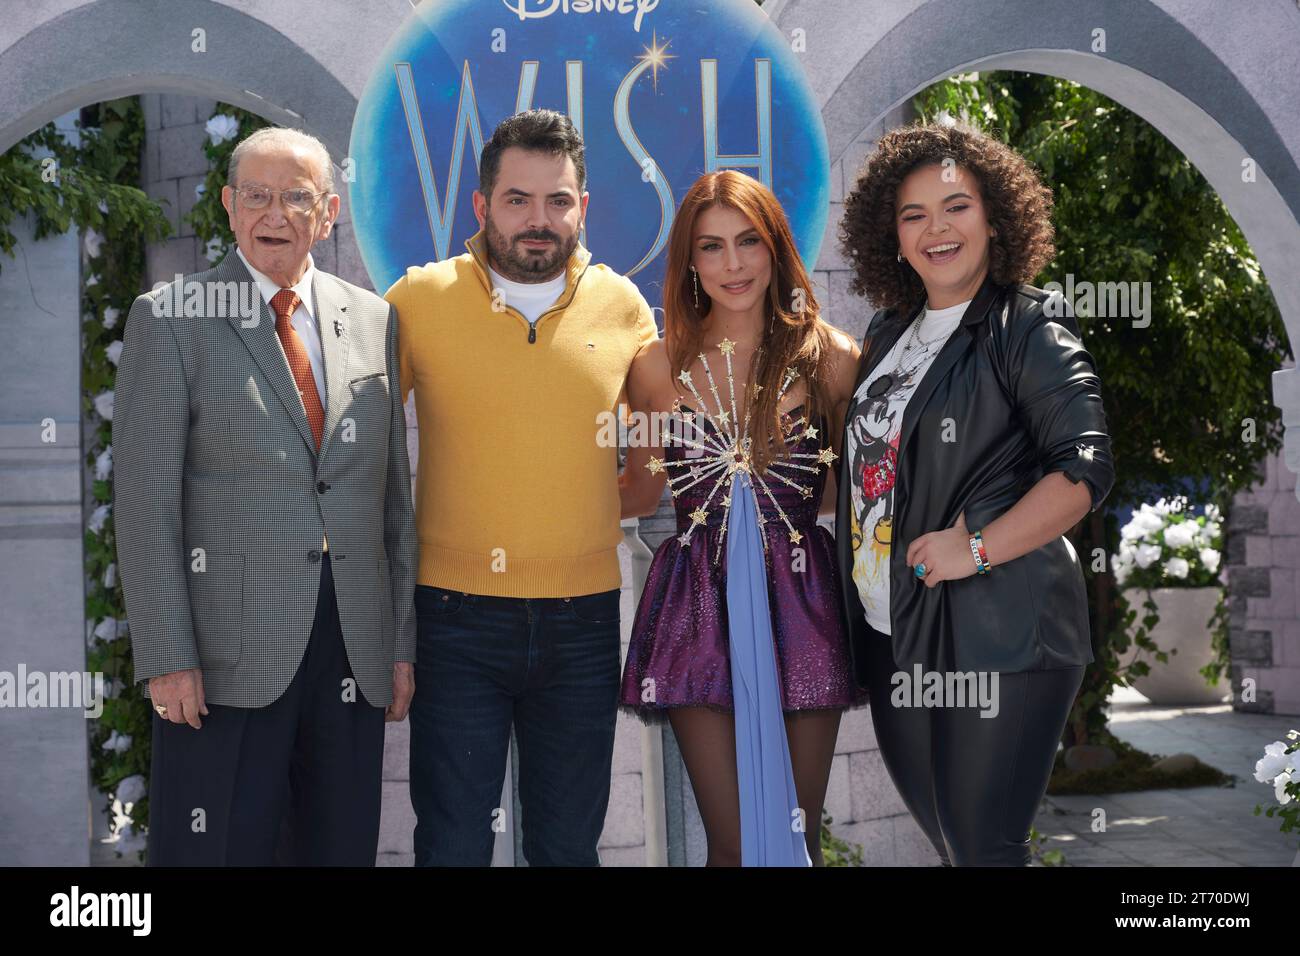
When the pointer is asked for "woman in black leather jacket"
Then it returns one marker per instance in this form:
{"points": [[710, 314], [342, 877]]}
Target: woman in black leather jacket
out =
{"points": [[975, 438]]}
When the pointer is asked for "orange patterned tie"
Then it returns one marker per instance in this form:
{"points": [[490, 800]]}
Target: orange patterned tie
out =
{"points": [[283, 303]]}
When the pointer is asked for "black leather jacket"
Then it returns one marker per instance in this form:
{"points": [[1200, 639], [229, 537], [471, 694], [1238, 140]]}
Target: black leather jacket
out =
{"points": [[1024, 400]]}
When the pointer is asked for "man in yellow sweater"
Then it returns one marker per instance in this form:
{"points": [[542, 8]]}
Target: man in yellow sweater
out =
{"points": [[514, 350]]}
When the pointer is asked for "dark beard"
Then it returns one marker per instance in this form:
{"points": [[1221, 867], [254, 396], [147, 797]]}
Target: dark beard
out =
{"points": [[518, 264]]}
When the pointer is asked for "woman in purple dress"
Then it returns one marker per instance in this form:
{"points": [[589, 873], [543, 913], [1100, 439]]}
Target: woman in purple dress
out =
{"points": [[739, 637]]}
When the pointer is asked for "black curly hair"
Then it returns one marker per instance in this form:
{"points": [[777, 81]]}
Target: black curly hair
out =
{"points": [[1018, 205]]}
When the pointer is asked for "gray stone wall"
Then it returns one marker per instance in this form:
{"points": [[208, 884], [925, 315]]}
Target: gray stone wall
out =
{"points": [[1263, 559], [44, 771]]}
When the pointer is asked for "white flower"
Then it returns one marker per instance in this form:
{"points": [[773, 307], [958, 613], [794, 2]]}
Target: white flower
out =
{"points": [[131, 789], [106, 630], [103, 207], [98, 517], [1163, 508], [1146, 555], [1122, 568], [110, 576], [215, 248], [104, 464], [111, 688], [1211, 512], [1180, 535], [114, 351], [1210, 558], [1133, 531], [110, 317], [199, 189], [129, 841], [1177, 567], [1212, 530], [92, 279], [1279, 788], [221, 128], [1148, 520], [93, 243], [104, 405], [118, 743], [1274, 761]]}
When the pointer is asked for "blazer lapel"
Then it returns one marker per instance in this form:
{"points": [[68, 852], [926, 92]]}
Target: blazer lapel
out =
{"points": [[952, 350], [264, 345], [331, 319]]}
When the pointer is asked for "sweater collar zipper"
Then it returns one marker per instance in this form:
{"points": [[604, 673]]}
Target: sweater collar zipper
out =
{"points": [[571, 284]]}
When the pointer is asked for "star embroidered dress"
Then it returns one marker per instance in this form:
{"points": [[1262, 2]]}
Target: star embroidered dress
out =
{"points": [[740, 611]]}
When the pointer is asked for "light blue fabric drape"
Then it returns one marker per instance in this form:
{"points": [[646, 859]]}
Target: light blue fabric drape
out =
{"points": [[768, 802]]}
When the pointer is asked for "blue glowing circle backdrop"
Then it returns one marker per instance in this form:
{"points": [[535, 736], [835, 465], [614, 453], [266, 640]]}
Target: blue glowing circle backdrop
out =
{"points": [[661, 91]]}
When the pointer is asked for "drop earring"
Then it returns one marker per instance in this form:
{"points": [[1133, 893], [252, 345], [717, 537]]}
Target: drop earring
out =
{"points": [[695, 281]]}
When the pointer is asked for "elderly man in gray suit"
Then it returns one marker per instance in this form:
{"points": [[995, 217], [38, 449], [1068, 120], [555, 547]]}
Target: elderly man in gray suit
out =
{"points": [[265, 535]]}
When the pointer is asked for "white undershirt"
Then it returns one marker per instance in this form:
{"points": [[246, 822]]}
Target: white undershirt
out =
{"points": [[531, 299], [873, 437]]}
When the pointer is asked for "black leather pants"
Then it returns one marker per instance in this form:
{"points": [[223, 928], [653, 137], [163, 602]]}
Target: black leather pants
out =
{"points": [[973, 783]]}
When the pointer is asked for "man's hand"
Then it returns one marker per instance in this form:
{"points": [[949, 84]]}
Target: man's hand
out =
{"points": [[403, 691], [181, 692]]}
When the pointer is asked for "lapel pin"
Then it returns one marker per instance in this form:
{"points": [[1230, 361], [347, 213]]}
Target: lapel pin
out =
{"points": [[338, 329]]}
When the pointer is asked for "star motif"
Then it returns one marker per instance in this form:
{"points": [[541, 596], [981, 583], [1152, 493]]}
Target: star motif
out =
{"points": [[810, 433], [685, 377], [805, 491], [699, 516], [726, 502], [656, 57], [726, 346], [795, 537], [695, 471], [724, 417], [655, 465], [684, 538], [825, 456]]}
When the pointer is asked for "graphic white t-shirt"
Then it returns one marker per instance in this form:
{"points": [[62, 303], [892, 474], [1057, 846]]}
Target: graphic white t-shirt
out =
{"points": [[872, 447], [530, 298]]}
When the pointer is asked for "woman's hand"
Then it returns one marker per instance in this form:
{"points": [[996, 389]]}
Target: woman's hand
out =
{"points": [[945, 554]]}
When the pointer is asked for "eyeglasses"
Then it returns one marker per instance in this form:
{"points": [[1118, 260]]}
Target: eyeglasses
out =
{"points": [[259, 197]]}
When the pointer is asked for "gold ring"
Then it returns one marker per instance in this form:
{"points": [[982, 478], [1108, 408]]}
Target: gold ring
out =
{"points": [[162, 710]]}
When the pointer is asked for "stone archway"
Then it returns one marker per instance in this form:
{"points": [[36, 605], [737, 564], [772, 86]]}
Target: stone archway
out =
{"points": [[1209, 83]]}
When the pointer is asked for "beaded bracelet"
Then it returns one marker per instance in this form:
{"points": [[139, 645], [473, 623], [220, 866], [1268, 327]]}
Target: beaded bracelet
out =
{"points": [[978, 553]]}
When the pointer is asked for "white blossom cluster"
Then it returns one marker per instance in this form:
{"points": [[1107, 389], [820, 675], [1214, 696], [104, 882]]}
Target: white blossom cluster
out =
{"points": [[1154, 537], [1279, 767]]}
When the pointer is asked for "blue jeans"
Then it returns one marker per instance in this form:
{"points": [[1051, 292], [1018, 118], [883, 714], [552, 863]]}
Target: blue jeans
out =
{"points": [[550, 667]]}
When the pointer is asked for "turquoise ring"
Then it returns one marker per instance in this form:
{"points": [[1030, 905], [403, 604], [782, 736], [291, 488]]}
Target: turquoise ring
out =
{"points": [[920, 570]]}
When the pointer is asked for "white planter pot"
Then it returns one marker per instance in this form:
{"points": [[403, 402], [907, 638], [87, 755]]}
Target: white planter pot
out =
{"points": [[1184, 625]]}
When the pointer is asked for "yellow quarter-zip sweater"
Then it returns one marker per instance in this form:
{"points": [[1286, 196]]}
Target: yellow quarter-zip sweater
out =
{"points": [[515, 495]]}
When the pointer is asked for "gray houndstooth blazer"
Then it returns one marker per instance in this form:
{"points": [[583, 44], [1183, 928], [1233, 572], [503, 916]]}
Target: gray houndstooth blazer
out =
{"points": [[220, 500]]}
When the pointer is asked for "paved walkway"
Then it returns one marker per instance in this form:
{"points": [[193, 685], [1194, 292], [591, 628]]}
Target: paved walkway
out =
{"points": [[1200, 826]]}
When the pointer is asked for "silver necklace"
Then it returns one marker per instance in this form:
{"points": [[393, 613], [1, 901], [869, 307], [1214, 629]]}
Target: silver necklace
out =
{"points": [[901, 371]]}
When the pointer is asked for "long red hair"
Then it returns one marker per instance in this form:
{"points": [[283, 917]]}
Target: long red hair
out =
{"points": [[794, 335]]}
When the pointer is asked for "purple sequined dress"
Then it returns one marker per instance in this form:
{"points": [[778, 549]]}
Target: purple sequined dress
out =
{"points": [[679, 655]]}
